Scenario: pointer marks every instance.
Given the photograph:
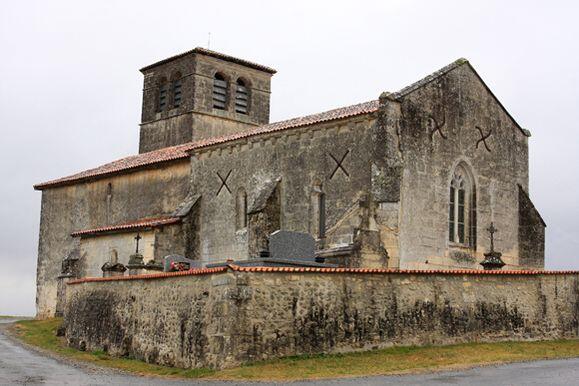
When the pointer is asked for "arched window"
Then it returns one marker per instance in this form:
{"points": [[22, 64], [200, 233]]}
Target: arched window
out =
{"points": [[322, 215], [241, 97], [219, 92], [462, 208], [176, 90], [241, 209], [318, 211], [162, 95]]}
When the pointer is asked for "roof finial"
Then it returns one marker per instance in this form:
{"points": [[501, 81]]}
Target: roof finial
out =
{"points": [[209, 40]]}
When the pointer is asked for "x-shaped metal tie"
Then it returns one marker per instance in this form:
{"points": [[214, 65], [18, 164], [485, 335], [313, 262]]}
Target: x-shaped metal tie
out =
{"points": [[223, 183], [483, 138], [339, 164], [434, 126]]}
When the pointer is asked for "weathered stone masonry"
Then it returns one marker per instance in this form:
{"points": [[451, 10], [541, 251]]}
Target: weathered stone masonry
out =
{"points": [[226, 316], [411, 180]]}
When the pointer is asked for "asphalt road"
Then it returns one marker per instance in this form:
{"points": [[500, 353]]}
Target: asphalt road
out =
{"points": [[21, 366]]}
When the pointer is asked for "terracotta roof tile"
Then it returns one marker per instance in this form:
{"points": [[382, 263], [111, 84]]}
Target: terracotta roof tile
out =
{"points": [[339, 113], [214, 54], [371, 271], [137, 224], [128, 163], [181, 151], [399, 271], [191, 272]]}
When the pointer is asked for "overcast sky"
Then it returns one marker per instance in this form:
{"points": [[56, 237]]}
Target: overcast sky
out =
{"points": [[70, 89]]}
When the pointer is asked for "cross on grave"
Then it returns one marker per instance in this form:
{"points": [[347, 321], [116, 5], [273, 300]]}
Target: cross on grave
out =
{"points": [[223, 183], [339, 164], [137, 238], [492, 260], [483, 138]]}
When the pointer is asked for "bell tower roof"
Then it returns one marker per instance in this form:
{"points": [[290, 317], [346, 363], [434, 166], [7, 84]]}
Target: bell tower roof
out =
{"points": [[214, 54]]}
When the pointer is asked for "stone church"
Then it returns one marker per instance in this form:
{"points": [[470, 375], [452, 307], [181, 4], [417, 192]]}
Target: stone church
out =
{"points": [[412, 180]]}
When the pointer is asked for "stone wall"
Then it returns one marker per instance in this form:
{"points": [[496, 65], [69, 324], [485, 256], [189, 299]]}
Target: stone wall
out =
{"points": [[298, 161], [95, 251], [228, 316], [531, 233], [451, 120], [142, 194], [195, 118]]}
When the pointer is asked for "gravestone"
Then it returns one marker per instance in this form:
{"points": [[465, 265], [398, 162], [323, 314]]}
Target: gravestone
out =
{"points": [[179, 263], [136, 265], [291, 245], [110, 269]]}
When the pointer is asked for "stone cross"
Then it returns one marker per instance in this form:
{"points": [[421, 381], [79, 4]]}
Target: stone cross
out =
{"points": [[138, 237], [492, 231]]}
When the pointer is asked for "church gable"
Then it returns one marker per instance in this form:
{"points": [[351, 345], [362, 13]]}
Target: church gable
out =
{"points": [[460, 67], [456, 102], [452, 122]]}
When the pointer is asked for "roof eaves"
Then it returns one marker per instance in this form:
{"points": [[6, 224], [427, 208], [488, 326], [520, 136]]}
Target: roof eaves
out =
{"points": [[214, 54], [525, 132], [180, 152], [128, 227], [293, 123], [94, 173]]}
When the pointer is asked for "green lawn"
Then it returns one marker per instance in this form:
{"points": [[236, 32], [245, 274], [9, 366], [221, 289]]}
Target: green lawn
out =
{"points": [[14, 317], [393, 360]]}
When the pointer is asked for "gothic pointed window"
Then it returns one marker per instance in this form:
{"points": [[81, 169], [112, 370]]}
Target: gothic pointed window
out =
{"points": [[162, 95], [462, 208], [241, 97], [219, 92]]}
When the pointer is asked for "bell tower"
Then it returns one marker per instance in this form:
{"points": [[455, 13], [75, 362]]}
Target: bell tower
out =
{"points": [[201, 94]]}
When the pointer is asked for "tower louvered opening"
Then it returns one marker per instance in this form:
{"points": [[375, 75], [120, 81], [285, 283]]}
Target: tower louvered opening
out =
{"points": [[241, 97], [219, 92]]}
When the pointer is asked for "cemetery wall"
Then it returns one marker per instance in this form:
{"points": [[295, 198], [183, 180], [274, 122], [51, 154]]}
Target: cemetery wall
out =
{"points": [[223, 317]]}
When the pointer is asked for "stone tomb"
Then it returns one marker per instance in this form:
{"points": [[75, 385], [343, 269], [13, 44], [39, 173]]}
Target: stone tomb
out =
{"points": [[291, 245], [173, 262]]}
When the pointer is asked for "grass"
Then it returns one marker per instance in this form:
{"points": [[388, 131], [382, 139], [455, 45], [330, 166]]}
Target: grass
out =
{"points": [[42, 333], [14, 317], [395, 360]]}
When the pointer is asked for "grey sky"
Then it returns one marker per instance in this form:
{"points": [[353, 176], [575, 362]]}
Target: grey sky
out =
{"points": [[70, 90]]}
